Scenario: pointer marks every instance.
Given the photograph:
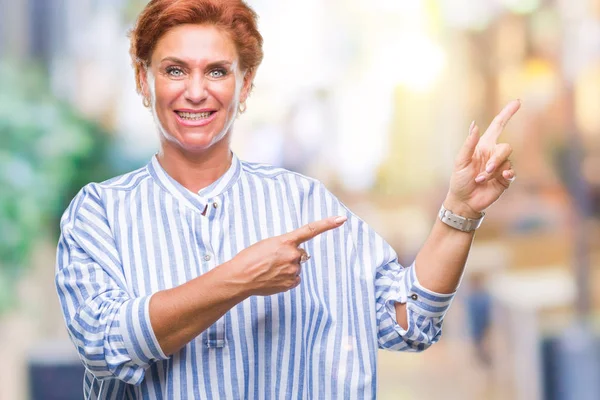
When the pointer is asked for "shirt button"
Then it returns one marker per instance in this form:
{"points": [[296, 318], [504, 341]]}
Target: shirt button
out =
{"points": [[414, 296], [207, 257], [215, 204]]}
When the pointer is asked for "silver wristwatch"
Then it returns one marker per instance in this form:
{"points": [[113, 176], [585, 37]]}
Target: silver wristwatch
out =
{"points": [[461, 223]]}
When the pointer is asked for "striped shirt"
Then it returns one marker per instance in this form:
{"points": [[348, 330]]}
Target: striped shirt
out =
{"points": [[124, 239]]}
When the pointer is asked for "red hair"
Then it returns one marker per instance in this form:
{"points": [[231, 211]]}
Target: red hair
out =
{"points": [[232, 16]]}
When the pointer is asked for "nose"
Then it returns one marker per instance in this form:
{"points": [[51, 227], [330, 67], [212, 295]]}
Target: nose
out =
{"points": [[196, 90]]}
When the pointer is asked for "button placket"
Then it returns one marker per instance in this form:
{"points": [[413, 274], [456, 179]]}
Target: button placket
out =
{"points": [[215, 334]]}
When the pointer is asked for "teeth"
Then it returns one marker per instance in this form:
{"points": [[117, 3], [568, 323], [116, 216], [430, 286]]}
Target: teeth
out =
{"points": [[194, 116]]}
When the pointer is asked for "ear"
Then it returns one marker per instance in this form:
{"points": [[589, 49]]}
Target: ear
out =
{"points": [[143, 74], [247, 85]]}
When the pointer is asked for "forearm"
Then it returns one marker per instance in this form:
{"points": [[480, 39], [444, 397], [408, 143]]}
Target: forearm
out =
{"points": [[440, 262], [482, 172], [268, 267], [180, 314]]}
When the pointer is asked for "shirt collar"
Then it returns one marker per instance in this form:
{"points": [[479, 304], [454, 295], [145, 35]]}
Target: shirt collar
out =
{"points": [[195, 200]]}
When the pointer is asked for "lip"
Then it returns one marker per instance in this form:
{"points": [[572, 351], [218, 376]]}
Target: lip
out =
{"points": [[201, 122], [190, 110]]}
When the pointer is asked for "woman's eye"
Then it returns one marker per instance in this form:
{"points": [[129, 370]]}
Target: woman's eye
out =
{"points": [[217, 73], [174, 72]]}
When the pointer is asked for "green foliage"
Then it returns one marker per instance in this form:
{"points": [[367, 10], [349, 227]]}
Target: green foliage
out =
{"points": [[47, 153]]}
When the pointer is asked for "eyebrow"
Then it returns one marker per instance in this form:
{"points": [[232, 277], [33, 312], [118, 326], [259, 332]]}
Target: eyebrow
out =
{"points": [[185, 63]]}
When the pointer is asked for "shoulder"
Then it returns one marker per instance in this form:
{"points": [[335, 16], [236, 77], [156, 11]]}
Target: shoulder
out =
{"points": [[303, 187], [91, 197], [126, 182], [273, 173]]}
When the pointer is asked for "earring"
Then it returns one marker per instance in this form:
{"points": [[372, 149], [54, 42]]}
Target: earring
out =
{"points": [[242, 108], [146, 102]]}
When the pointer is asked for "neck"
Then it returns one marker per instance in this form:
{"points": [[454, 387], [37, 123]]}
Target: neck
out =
{"points": [[195, 170]]}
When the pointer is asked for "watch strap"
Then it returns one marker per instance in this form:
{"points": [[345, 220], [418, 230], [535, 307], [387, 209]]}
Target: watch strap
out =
{"points": [[459, 222]]}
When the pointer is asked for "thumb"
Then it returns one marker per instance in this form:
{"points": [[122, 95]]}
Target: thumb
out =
{"points": [[468, 148]]}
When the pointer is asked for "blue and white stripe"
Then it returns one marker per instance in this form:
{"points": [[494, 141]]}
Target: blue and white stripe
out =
{"points": [[124, 239]]}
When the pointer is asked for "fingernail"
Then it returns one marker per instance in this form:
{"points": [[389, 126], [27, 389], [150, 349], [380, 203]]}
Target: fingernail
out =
{"points": [[340, 220], [480, 178], [471, 126], [489, 167]]}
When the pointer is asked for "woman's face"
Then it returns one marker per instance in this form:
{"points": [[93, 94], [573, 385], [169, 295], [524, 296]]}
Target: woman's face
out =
{"points": [[195, 86]]}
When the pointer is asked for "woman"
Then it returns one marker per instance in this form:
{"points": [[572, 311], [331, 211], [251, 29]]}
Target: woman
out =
{"points": [[203, 276]]}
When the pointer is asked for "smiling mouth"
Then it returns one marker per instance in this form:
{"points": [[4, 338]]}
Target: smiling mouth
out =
{"points": [[194, 116]]}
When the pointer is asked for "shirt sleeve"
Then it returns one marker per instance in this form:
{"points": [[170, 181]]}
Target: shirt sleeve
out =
{"points": [[425, 309], [396, 284], [108, 325]]}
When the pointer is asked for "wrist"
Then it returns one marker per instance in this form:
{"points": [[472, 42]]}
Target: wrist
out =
{"points": [[460, 208], [237, 283]]}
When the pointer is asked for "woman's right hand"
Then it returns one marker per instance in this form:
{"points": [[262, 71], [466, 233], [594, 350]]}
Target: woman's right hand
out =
{"points": [[273, 265]]}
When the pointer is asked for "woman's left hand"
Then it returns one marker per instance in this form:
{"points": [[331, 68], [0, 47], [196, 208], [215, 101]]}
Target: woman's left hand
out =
{"points": [[482, 170]]}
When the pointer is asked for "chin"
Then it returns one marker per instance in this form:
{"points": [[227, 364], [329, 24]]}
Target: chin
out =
{"points": [[195, 142]]}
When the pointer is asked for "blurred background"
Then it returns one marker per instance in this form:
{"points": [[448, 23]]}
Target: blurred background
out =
{"points": [[374, 99]]}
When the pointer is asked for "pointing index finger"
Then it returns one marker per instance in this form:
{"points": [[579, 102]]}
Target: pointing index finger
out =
{"points": [[313, 229], [500, 121]]}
